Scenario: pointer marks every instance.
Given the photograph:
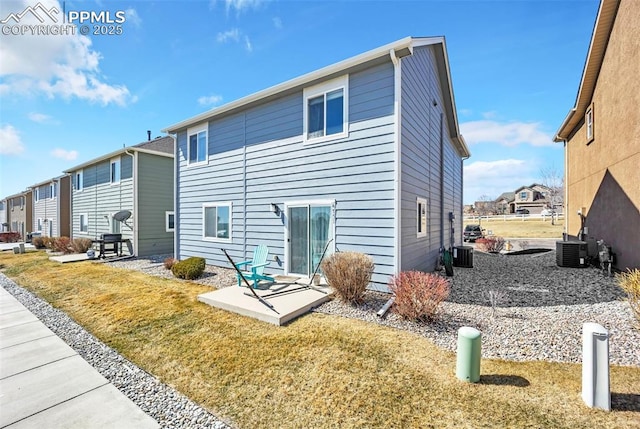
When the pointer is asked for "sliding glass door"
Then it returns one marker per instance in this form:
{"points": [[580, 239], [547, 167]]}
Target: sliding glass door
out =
{"points": [[309, 231]]}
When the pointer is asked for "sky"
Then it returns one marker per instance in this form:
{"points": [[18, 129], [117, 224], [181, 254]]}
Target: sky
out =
{"points": [[66, 99]]}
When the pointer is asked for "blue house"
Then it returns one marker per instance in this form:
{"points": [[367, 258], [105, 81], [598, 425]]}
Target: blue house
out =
{"points": [[365, 152]]}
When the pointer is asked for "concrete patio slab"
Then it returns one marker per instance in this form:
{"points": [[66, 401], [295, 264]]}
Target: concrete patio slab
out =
{"points": [[291, 301], [74, 257], [32, 354], [10, 246]]}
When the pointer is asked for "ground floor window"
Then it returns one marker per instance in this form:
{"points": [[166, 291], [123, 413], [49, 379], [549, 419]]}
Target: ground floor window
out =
{"points": [[169, 221], [84, 223], [217, 221], [421, 216]]}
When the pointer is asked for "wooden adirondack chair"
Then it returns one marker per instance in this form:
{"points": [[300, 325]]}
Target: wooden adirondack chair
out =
{"points": [[256, 267]]}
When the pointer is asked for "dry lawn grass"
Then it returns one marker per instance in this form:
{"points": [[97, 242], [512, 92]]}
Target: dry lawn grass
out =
{"points": [[319, 371], [529, 228]]}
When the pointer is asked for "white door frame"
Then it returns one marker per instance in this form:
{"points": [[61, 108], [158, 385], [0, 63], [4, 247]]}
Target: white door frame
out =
{"points": [[307, 203]]}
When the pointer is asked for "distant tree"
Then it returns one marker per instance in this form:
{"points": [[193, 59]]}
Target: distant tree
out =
{"points": [[553, 179], [485, 206]]}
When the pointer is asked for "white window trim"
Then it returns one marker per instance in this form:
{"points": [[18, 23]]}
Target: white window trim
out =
{"points": [[118, 161], [52, 189], [79, 176], [197, 130], [589, 123], [36, 194], [218, 204], [39, 224], [323, 88], [423, 201], [80, 216], [166, 221]]}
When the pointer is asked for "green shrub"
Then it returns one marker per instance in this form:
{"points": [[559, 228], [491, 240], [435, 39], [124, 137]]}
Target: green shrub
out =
{"points": [[169, 262], [38, 242], [492, 244], [189, 269], [630, 283], [61, 244], [81, 245], [418, 295], [349, 274]]}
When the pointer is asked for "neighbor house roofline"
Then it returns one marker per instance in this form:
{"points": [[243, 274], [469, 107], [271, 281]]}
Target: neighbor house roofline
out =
{"points": [[597, 48], [19, 194], [400, 48], [116, 153], [44, 182]]}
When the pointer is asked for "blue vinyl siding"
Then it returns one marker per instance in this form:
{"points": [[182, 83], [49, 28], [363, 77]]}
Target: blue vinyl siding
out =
{"points": [[257, 157], [422, 128]]}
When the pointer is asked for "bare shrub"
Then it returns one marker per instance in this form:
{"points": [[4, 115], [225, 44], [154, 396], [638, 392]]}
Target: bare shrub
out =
{"points": [[38, 242], [349, 274], [61, 244], [418, 295], [169, 262], [495, 298], [630, 283], [492, 244], [81, 245], [524, 244]]}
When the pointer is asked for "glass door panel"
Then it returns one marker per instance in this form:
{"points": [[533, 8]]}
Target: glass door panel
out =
{"points": [[319, 231], [299, 240]]}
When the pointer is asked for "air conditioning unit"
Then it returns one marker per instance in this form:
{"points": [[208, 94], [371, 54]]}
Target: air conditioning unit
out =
{"points": [[571, 254]]}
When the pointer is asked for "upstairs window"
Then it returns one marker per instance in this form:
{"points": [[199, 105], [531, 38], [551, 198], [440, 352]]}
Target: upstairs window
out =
{"points": [[523, 195], [78, 180], [197, 145], [588, 120], [325, 110], [115, 170], [36, 194], [52, 190]]}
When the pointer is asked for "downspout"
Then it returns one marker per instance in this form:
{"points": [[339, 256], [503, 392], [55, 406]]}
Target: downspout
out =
{"points": [[134, 176], [397, 153], [176, 224], [441, 181], [565, 197]]}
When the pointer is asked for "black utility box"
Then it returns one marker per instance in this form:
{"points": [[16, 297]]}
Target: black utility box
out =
{"points": [[463, 256]]}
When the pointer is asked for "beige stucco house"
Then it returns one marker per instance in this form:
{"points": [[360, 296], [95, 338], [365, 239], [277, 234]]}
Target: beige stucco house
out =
{"points": [[601, 135]]}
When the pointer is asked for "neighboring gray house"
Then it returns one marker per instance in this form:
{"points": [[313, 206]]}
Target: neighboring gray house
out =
{"points": [[52, 207], [138, 179], [534, 198], [366, 152]]}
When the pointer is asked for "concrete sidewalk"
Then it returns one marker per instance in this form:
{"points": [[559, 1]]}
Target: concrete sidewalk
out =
{"points": [[45, 383]]}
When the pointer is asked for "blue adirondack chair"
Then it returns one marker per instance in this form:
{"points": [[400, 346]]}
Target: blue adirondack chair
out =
{"points": [[254, 269]]}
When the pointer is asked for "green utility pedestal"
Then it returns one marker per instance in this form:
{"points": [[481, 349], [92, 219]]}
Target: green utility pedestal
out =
{"points": [[469, 352]]}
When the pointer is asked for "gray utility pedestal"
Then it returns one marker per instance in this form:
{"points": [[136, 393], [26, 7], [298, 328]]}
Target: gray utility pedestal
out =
{"points": [[595, 366]]}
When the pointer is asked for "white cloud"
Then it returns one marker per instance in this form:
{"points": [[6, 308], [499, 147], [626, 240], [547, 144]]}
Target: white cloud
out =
{"points": [[58, 66], [224, 37], [235, 35], [505, 134], [277, 22], [211, 100], [132, 17], [67, 155], [238, 5], [492, 178], [40, 118], [10, 141]]}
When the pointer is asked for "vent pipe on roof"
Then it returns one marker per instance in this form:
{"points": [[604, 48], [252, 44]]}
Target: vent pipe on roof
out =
{"points": [[148, 135]]}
